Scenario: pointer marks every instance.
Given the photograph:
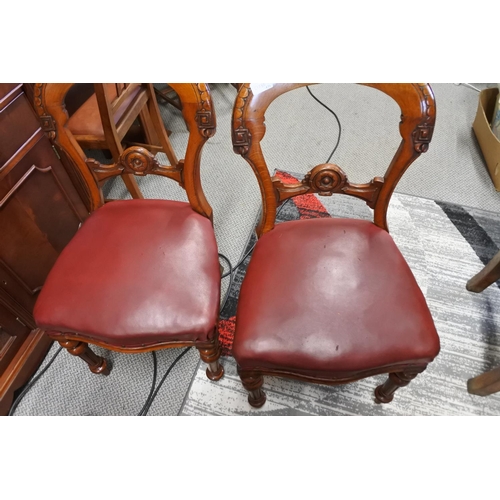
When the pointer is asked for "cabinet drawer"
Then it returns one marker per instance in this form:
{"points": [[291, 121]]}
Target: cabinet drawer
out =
{"points": [[17, 124], [12, 335], [7, 88], [16, 287]]}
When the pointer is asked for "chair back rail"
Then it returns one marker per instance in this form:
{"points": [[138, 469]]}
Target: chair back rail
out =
{"points": [[418, 112], [199, 115]]}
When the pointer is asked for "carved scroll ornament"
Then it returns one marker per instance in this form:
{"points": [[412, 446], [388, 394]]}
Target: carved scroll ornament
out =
{"points": [[422, 134], [138, 161], [327, 179], [205, 117], [241, 135]]}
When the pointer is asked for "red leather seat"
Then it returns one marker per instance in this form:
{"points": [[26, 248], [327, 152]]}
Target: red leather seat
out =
{"points": [[137, 272], [331, 297]]}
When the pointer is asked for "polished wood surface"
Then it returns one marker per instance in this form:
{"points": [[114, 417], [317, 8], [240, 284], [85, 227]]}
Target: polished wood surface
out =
{"points": [[169, 95]]}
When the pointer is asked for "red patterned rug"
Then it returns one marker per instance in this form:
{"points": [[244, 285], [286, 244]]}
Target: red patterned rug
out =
{"points": [[306, 206]]}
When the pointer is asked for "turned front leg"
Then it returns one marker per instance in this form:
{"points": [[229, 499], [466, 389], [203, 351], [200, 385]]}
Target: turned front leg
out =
{"points": [[97, 364], [210, 355], [252, 382], [384, 393]]}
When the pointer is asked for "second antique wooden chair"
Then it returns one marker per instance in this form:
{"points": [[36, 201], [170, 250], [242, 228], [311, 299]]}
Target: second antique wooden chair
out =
{"points": [[331, 300], [105, 118], [139, 275]]}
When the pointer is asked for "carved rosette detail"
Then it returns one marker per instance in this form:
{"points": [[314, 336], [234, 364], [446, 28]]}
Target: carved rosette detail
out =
{"points": [[241, 135], [422, 134], [138, 161], [205, 117], [326, 179]]}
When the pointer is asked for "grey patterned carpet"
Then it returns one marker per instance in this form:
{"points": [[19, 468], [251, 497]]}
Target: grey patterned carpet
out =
{"points": [[444, 244]]}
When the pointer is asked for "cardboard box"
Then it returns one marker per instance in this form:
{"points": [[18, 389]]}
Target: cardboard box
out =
{"points": [[489, 144]]}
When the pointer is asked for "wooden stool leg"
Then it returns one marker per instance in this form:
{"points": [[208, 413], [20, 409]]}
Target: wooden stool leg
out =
{"points": [[253, 384], [384, 393], [97, 364], [485, 384], [484, 278], [211, 356]]}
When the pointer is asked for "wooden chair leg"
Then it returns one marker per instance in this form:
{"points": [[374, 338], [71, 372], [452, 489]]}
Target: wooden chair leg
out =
{"points": [[211, 356], [132, 186], [148, 127], [157, 122], [252, 382], [97, 364], [485, 384], [488, 275], [384, 393]]}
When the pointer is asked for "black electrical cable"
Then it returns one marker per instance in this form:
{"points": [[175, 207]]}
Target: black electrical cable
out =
{"points": [[31, 383], [152, 395], [253, 246], [281, 208], [149, 399], [336, 117], [230, 273], [146, 409]]}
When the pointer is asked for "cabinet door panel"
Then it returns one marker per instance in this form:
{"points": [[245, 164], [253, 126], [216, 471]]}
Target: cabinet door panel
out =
{"points": [[40, 211]]}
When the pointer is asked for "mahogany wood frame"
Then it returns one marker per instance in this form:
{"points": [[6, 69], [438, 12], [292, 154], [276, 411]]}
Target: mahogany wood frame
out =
{"points": [[418, 113], [199, 115]]}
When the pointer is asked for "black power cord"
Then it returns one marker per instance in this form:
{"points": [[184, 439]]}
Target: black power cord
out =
{"points": [[283, 205], [336, 118], [31, 383], [152, 396], [154, 391], [149, 399]]}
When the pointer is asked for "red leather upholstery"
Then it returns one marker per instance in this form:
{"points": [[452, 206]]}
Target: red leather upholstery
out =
{"points": [[86, 120], [137, 272], [331, 297]]}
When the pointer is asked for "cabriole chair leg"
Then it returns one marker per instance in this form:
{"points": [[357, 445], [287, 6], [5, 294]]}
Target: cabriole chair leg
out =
{"points": [[97, 364]]}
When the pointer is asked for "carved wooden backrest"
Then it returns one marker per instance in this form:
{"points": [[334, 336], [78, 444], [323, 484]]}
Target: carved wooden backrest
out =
{"points": [[418, 112], [198, 112]]}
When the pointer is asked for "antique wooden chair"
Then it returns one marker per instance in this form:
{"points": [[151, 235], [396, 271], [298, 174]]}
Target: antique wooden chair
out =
{"points": [[139, 275], [331, 300], [486, 383], [105, 118]]}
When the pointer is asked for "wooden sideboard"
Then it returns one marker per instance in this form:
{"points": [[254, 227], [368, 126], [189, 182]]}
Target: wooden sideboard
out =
{"points": [[41, 208]]}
